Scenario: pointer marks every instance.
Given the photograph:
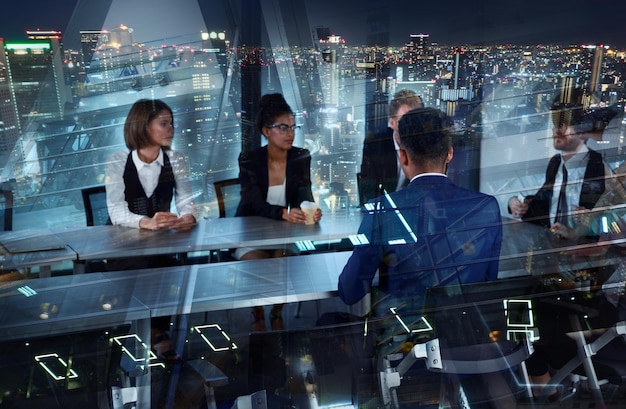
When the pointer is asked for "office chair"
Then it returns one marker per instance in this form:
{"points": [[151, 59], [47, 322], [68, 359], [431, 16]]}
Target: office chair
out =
{"points": [[228, 193], [6, 207], [96, 214], [95, 203], [484, 329]]}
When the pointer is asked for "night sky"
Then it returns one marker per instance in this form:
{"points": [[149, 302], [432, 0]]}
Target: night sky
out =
{"points": [[449, 22]]}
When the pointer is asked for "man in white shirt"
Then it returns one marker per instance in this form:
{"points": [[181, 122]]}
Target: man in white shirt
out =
{"points": [[575, 177]]}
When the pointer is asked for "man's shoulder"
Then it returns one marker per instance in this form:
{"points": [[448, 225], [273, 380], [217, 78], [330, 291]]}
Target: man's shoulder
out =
{"points": [[381, 136]]}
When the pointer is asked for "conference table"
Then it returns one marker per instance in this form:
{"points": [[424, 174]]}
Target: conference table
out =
{"points": [[29, 248], [527, 249], [103, 242], [84, 244]]}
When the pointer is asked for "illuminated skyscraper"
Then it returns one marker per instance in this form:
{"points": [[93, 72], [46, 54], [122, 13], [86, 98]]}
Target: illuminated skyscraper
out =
{"points": [[9, 128], [35, 73], [89, 40]]}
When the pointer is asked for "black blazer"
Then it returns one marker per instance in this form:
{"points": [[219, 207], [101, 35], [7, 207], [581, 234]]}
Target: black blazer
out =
{"points": [[593, 187], [379, 166], [254, 179]]}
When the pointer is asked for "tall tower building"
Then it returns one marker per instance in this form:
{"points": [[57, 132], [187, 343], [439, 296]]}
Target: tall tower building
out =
{"points": [[44, 35], [37, 84], [419, 43], [329, 70], [595, 85], [89, 41], [9, 127]]}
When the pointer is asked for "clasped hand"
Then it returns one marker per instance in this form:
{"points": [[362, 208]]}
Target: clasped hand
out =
{"points": [[167, 220], [517, 208], [296, 215]]}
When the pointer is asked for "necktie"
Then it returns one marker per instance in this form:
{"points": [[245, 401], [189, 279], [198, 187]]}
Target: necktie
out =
{"points": [[561, 209]]}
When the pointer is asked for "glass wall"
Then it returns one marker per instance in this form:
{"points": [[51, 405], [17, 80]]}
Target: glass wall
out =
{"points": [[65, 94]]}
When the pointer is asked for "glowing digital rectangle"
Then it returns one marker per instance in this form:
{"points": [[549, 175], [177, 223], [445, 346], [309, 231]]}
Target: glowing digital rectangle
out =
{"points": [[519, 313], [206, 332], [521, 335], [139, 348], [53, 365]]}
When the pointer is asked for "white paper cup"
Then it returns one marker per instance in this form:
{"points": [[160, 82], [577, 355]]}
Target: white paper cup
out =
{"points": [[309, 209]]}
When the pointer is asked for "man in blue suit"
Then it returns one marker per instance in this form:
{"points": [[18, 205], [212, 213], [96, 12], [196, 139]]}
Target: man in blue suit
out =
{"points": [[430, 233]]}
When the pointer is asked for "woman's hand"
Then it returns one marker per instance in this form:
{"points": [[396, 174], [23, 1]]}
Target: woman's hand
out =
{"points": [[184, 223], [160, 220], [318, 215], [294, 215]]}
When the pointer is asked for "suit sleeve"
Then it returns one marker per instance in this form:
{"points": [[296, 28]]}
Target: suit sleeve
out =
{"points": [[356, 278], [496, 232]]}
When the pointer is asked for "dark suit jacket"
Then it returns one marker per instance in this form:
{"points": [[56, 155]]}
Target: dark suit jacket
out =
{"points": [[379, 168], [430, 233], [254, 179], [593, 187]]}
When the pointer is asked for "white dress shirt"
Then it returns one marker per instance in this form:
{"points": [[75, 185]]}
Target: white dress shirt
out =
{"points": [[576, 168], [149, 178]]}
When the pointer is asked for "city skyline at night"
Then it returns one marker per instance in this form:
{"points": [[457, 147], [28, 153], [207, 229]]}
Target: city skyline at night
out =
{"points": [[488, 22]]}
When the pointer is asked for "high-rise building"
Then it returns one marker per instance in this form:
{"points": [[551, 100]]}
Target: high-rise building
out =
{"points": [[595, 85], [42, 35], [9, 127], [329, 70], [35, 73], [89, 41]]}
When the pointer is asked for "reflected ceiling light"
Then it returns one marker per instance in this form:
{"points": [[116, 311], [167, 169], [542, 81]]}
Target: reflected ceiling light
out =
{"points": [[47, 309], [27, 291], [107, 302], [305, 245], [401, 217], [358, 239]]}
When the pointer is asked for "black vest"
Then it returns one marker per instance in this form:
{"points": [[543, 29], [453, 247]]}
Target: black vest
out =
{"points": [[592, 188], [135, 196]]}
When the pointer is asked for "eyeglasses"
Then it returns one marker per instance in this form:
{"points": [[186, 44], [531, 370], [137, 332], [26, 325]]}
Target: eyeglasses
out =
{"points": [[284, 127]]}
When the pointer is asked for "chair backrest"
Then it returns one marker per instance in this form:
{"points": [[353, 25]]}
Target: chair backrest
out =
{"points": [[95, 202], [477, 313], [359, 187], [6, 209], [228, 194]]}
